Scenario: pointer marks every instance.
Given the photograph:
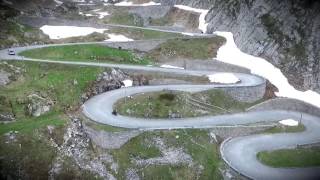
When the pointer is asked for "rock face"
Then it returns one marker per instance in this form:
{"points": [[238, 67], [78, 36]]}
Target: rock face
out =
{"points": [[4, 78], [6, 113], [38, 105], [106, 81], [286, 33], [110, 80]]}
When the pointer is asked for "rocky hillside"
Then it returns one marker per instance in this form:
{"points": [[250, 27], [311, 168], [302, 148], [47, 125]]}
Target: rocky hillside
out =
{"points": [[285, 32]]}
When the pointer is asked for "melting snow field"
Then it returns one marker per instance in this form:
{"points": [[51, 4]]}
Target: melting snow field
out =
{"points": [[229, 53], [128, 3], [202, 22], [289, 122], [171, 67], [59, 32], [127, 83], [118, 38], [223, 78]]}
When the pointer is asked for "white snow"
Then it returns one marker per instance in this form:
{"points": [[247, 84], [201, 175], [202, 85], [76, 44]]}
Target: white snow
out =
{"points": [[289, 122], [102, 14], [203, 12], [127, 83], [171, 67], [129, 3], [188, 34], [58, 32], [89, 15], [118, 38], [229, 53], [58, 2], [224, 78]]}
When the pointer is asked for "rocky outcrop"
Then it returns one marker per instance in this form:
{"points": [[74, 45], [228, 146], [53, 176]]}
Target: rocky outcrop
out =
{"points": [[106, 81], [6, 113], [4, 78], [77, 146], [286, 33], [38, 105], [9, 72]]}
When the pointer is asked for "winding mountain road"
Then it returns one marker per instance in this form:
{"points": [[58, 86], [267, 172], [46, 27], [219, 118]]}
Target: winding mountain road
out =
{"points": [[239, 153]]}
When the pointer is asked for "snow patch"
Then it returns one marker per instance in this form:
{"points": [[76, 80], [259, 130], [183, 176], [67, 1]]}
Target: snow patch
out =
{"points": [[127, 83], [118, 38], [170, 67], [202, 18], [289, 122], [58, 2], [129, 3], [187, 34], [58, 32], [223, 78], [102, 14], [229, 53]]}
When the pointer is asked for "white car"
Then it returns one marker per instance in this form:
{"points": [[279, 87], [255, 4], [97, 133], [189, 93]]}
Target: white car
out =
{"points": [[11, 52]]}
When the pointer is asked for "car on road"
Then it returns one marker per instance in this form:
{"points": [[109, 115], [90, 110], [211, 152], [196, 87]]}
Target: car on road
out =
{"points": [[11, 52]]}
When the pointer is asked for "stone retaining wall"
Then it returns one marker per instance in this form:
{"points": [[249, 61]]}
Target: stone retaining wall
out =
{"points": [[246, 94], [286, 104]]}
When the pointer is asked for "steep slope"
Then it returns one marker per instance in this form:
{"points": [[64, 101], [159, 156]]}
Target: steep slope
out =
{"points": [[286, 33]]}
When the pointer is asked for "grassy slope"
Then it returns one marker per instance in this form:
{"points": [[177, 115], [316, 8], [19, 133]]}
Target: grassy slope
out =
{"points": [[194, 142], [30, 157], [142, 33], [291, 157], [124, 18], [194, 48], [158, 105], [286, 129], [35, 154], [11, 32], [54, 81], [91, 52]]}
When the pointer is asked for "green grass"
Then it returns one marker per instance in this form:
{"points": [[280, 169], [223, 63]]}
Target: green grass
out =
{"points": [[135, 148], [28, 125], [13, 32], [51, 80], [160, 21], [161, 104], [143, 33], [285, 129], [194, 142], [193, 48], [125, 18], [90, 52], [70, 170], [30, 157], [301, 157]]}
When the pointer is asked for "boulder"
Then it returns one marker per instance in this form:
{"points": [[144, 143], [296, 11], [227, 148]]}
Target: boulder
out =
{"points": [[38, 105]]}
